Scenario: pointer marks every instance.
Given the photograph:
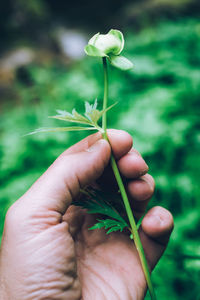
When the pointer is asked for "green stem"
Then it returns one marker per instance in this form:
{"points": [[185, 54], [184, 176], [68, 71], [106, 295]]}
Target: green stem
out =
{"points": [[105, 96], [116, 172]]}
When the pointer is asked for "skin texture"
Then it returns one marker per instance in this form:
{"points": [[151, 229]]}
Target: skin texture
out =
{"points": [[47, 251]]}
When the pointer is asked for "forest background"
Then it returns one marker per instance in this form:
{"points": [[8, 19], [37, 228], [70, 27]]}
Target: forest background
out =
{"points": [[43, 68]]}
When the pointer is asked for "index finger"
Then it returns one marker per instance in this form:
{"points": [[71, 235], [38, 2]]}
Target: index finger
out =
{"points": [[121, 142]]}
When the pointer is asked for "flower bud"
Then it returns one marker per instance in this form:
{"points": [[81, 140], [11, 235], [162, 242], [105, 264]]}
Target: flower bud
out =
{"points": [[105, 44], [109, 45]]}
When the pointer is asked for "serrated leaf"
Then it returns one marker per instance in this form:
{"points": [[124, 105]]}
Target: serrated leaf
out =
{"points": [[99, 202], [120, 62], [112, 225], [98, 225], [102, 203], [56, 129], [91, 115], [89, 108], [74, 117], [114, 229], [94, 114]]}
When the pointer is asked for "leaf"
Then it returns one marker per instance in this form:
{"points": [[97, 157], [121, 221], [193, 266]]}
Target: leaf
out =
{"points": [[90, 107], [114, 225], [74, 117], [120, 62], [91, 116], [94, 114], [93, 51], [103, 203], [56, 129], [99, 202]]}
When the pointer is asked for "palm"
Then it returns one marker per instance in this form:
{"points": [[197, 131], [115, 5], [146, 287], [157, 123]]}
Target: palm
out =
{"points": [[108, 265]]}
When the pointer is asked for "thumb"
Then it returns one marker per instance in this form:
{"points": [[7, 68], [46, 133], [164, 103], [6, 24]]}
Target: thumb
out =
{"points": [[61, 183]]}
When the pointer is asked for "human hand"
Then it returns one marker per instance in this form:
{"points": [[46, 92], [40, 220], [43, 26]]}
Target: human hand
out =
{"points": [[47, 251]]}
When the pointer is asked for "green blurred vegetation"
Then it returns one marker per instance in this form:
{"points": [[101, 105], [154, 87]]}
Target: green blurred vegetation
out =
{"points": [[158, 105]]}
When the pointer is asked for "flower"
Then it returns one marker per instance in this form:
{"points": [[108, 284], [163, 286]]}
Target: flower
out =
{"points": [[109, 45], [105, 44]]}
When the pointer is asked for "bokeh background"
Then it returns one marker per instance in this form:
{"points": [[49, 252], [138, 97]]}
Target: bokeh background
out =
{"points": [[43, 68]]}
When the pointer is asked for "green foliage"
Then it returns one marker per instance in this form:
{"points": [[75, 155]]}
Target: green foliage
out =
{"points": [[104, 204], [91, 118], [61, 129], [112, 225], [159, 105]]}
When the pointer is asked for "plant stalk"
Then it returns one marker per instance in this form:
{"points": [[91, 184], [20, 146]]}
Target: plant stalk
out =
{"points": [[105, 96], [124, 196]]}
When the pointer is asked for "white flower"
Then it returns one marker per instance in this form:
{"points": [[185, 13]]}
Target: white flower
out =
{"points": [[109, 45]]}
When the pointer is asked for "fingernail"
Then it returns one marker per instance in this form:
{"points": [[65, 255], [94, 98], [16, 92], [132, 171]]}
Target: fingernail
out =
{"points": [[145, 169], [96, 146]]}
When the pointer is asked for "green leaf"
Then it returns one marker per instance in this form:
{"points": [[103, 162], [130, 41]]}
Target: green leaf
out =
{"points": [[112, 225], [120, 62], [94, 114], [89, 108], [56, 129], [103, 203], [74, 117], [93, 51], [99, 202]]}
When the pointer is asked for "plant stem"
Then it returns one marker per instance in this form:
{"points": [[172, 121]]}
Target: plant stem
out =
{"points": [[105, 96], [124, 196]]}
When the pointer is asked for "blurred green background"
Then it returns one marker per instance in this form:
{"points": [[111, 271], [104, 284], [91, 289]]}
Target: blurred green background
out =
{"points": [[43, 68]]}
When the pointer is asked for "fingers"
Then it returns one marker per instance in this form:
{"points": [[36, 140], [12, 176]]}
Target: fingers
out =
{"points": [[155, 231], [140, 186], [140, 191], [81, 165], [132, 165], [121, 142], [78, 166]]}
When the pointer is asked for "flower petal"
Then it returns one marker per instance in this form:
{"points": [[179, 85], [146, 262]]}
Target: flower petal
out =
{"points": [[118, 34], [93, 39], [93, 51], [120, 62]]}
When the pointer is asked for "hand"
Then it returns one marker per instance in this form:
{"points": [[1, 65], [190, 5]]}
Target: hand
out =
{"points": [[47, 251]]}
